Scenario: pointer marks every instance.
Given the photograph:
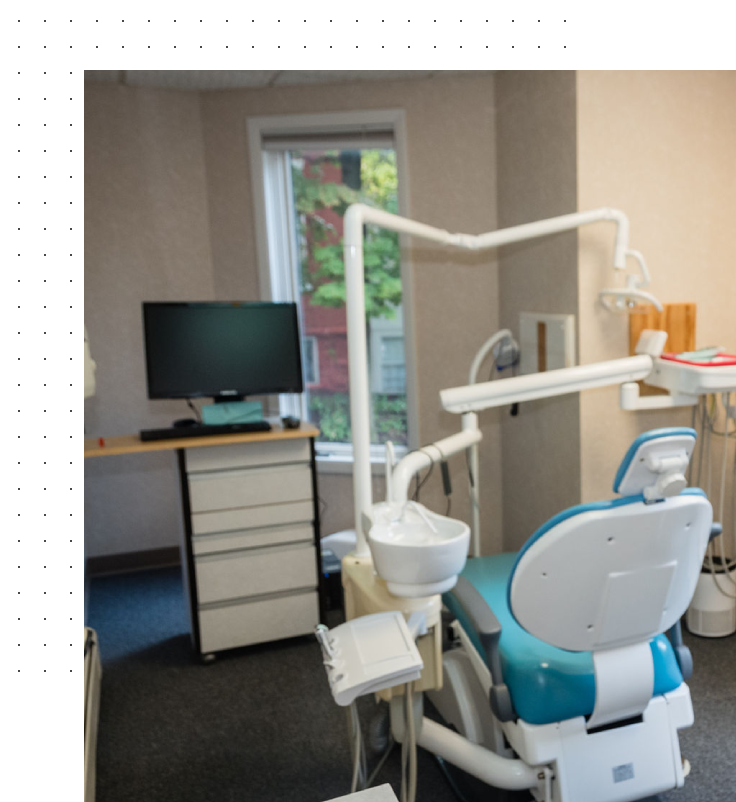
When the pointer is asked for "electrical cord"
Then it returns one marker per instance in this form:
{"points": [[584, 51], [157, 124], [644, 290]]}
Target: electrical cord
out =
{"points": [[357, 747], [471, 478], [354, 748], [726, 566], [409, 749], [323, 508], [412, 742], [707, 412], [381, 762], [420, 485], [453, 785], [722, 496], [693, 421], [492, 373], [404, 758], [194, 409]]}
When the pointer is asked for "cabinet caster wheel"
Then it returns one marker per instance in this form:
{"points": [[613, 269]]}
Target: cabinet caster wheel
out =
{"points": [[206, 659]]}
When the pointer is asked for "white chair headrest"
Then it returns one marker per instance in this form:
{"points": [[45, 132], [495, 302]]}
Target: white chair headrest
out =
{"points": [[655, 464]]}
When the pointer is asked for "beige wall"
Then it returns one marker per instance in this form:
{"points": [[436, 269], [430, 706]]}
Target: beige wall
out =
{"points": [[662, 147], [535, 131], [146, 238], [451, 176]]}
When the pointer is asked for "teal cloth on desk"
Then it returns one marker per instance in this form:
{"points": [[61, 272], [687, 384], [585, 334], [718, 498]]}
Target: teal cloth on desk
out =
{"points": [[233, 412]]}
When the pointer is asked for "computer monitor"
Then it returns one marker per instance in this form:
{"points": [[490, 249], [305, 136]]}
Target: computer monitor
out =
{"points": [[221, 350]]}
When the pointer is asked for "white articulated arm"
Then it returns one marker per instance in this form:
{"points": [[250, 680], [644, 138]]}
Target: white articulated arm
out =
{"points": [[356, 217], [476, 397], [412, 463]]}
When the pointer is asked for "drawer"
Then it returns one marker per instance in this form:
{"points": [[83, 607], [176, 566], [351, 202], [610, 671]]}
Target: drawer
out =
{"points": [[222, 490], [252, 538], [257, 621], [252, 572], [252, 517], [247, 455]]}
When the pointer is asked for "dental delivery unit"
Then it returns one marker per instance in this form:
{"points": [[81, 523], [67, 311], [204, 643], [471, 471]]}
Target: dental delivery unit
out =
{"points": [[567, 676]]}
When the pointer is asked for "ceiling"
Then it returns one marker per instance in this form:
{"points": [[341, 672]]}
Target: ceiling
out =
{"points": [[253, 79]]}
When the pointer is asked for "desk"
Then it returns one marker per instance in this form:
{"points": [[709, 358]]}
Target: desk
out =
{"points": [[250, 546]]}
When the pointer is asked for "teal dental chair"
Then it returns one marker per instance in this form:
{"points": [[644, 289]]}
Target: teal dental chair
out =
{"points": [[560, 654]]}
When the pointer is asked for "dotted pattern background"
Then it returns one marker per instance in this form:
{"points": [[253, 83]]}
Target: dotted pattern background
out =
{"points": [[49, 45]]}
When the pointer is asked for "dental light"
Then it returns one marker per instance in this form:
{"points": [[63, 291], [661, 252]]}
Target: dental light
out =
{"points": [[624, 299]]}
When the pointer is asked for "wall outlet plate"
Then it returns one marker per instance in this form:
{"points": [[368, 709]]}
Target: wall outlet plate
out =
{"points": [[547, 341]]}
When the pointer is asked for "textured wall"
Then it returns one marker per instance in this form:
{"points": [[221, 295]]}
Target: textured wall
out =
{"points": [[661, 146], [169, 215], [535, 135], [451, 166], [146, 238]]}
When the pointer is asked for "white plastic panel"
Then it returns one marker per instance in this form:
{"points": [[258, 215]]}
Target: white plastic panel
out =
{"points": [[368, 654], [614, 765], [255, 571], [257, 621], [621, 764], [245, 455], [565, 585], [252, 517], [547, 342], [249, 487], [639, 474], [251, 538], [624, 682], [692, 379]]}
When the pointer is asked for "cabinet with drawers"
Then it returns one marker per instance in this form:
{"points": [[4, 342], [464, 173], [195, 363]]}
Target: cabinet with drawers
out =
{"points": [[251, 542]]}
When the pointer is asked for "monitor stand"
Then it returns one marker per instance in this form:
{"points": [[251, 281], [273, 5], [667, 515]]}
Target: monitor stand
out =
{"points": [[232, 409]]}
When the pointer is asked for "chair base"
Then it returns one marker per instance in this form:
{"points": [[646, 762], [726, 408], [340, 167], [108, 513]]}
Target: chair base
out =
{"points": [[616, 764]]}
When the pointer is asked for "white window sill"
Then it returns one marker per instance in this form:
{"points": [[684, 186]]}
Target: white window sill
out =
{"points": [[343, 463]]}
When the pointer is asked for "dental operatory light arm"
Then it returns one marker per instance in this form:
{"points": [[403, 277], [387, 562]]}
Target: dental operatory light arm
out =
{"points": [[356, 217]]}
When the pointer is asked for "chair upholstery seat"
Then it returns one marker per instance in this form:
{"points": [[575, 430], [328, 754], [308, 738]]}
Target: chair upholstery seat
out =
{"points": [[547, 684]]}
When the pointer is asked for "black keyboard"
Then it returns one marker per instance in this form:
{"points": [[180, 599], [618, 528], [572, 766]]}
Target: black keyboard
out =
{"points": [[202, 430]]}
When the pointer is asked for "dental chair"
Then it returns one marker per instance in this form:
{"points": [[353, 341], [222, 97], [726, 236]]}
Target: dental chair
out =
{"points": [[561, 657]]}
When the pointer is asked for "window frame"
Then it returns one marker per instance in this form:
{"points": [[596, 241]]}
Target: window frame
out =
{"points": [[277, 254], [378, 335], [310, 341]]}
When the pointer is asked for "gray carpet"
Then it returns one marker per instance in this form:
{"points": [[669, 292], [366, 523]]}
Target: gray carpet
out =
{"points": [[260, 724]]}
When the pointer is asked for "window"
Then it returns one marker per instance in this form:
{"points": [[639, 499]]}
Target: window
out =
{"points": [[309, 181]]}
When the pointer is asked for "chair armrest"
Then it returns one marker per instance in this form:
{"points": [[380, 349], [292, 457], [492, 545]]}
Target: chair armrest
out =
{"points": [[682, 653], [715, 530], [488, 627]]}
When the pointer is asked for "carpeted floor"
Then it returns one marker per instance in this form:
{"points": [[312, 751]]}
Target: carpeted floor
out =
{"points": [[260, 724]]}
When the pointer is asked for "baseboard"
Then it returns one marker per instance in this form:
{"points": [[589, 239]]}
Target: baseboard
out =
{"points": [[133, 561]]}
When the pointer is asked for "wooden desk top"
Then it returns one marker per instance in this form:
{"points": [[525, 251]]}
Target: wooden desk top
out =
{"points": [[132, 444]]}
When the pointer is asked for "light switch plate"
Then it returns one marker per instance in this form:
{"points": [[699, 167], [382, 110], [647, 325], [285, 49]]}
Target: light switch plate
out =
{"points": [[547, 341]]}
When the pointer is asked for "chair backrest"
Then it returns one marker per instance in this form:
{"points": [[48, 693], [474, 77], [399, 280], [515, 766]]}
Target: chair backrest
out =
{"points": [[616, 573]]}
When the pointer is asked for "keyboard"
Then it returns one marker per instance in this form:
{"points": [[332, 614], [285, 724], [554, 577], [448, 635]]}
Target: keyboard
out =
{"points": [[202, 430]]}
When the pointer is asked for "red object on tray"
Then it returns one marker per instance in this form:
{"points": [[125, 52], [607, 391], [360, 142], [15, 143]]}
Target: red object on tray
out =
{"points": [[718, 361]]}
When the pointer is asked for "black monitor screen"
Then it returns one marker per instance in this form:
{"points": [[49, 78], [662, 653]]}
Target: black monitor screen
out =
{"points": [[221, 350]]}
